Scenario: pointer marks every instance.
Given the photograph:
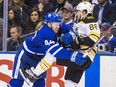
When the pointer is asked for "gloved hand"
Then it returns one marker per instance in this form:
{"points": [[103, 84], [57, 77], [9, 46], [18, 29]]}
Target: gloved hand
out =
{"points": [[68, 38], [78, 58]]}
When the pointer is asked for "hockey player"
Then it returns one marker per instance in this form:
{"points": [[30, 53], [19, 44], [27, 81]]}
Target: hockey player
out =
{"points": [[88, 33], [40, 51]]}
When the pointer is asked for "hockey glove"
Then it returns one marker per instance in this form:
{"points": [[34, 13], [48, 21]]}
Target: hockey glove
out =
{"points": [[68, 38], [77, 57]]}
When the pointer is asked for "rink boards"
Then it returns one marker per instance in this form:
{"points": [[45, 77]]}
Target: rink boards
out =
{"points": [[102, 72]]}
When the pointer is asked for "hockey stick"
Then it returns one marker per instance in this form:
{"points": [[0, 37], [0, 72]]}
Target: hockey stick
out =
{"points": [[25, 35], [87, 52]]}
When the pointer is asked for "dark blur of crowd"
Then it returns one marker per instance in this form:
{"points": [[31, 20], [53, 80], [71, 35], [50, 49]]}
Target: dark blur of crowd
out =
{"points": [[26, 16]]}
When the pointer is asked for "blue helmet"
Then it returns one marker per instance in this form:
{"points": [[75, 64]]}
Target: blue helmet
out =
{"points": [[52, 17]]}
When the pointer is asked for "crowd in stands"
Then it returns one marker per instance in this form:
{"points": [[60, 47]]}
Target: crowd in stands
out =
{"points": [[28, 15]]}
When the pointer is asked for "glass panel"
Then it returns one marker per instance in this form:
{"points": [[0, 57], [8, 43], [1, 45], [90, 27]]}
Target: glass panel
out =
{"points": [[5, 24], [1, 23], [1, 33]]}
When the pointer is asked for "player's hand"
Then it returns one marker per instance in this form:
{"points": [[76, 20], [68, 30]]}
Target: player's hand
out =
{"points": [[68, 38], [78, 58]]}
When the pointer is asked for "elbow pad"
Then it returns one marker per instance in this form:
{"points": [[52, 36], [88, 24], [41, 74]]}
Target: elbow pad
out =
{"points": [[86, 41]]}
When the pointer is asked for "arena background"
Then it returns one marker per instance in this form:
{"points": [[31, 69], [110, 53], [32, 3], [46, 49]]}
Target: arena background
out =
{"points": [[102, 73]]}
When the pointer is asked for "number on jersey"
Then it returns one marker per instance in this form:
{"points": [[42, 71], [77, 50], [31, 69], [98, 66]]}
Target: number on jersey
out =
{"points": [[93, 26], [49, 42]]}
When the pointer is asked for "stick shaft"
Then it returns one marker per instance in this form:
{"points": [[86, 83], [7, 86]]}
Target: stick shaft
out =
{"points": [[25, 35]]}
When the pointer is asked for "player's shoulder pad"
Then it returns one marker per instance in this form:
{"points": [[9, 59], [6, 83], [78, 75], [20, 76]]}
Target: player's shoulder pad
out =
{"points": [[90, 20], [47, 33]]}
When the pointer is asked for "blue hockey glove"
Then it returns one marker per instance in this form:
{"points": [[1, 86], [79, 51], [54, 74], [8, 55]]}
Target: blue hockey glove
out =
{"points": [[68, 38], [78, 58]]}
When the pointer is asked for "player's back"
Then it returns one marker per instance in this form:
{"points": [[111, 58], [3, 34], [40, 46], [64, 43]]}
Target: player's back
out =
{"points": [[89, 28], [33, 44]]}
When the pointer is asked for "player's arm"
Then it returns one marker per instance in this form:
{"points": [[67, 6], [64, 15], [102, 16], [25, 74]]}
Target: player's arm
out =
{"points": [[68, 38], [53, 51], [93, 32], [58, 51], [89, 40], [50, 46]]}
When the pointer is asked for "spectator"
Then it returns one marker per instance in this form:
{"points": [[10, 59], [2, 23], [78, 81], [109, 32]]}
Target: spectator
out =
{"points": [[23, 8], [13, 18], [30, 3], [87, 1], [14, 41], [1, 33], [54, 2], [109, 41], [90, 2], [44, 6], [74, 2], [1, 8], [114, 32], [67, 15], [59, 6], [32, 22], [104, 12]]}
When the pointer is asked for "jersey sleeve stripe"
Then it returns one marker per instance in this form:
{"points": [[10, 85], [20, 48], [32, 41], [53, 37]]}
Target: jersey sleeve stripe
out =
{"points": [[57, 51], [95, 48], [53, 46], [95, 33], [26, 48], [92, 52], [42, 67], [94, 38], [18, 64], [84, 47], [46, 63], [81, 22]]}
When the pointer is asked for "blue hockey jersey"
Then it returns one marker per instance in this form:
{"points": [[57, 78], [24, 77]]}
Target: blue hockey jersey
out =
{"points": [[43, 41], [66, 27]]}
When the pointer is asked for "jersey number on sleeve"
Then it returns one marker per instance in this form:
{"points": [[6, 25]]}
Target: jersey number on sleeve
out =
{"points": [[49, 42]]}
